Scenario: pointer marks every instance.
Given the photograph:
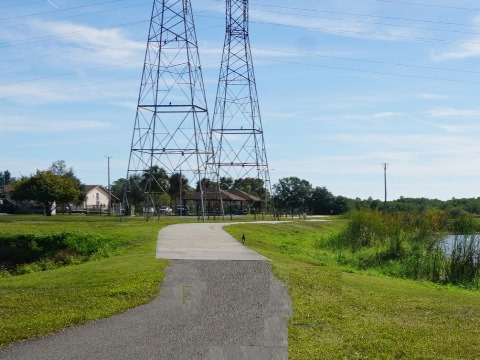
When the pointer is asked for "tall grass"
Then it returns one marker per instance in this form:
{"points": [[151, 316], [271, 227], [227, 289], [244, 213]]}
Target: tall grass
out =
{"points": [[464, 253], [410, 244], [30, 252]]}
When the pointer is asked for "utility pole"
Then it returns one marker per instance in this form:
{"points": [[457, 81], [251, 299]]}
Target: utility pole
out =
{"points": [[385, 166], [109, 190], [180, 195]]}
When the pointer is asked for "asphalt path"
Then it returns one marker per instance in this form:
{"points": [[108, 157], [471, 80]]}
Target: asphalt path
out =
{"points": [[219, 300]]}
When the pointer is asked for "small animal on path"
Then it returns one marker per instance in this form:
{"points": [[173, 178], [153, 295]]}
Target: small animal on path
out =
{"points": [[243, 238]]}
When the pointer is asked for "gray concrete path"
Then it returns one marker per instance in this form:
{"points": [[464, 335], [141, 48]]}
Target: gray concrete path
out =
{"points": [[203, 241], [210, 307]]}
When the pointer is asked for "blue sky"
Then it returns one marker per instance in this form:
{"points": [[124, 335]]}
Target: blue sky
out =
{"points": [[343, 86]]}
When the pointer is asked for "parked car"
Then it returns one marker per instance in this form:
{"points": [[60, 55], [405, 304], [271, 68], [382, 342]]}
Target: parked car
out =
{"points": [[182, 210], [166, 210], [148, 210]]}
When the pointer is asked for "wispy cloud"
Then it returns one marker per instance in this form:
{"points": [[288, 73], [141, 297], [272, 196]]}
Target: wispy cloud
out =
{"points": [[68, 90], [101, 46], [454, 113], [385, 115], [374, 116], [30, 125], [468, 48], [431, 96], [339, 24]]}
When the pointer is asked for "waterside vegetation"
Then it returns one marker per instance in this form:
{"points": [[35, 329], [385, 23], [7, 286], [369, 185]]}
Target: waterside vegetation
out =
{"points": [[412, 245]]}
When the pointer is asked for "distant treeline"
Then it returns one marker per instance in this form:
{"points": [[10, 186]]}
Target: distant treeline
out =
{"points": [[293, 195], [453, 207]]}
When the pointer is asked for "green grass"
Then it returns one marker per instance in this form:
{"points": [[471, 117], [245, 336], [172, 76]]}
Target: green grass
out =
{"points": [[338, 314], [38, 303]]}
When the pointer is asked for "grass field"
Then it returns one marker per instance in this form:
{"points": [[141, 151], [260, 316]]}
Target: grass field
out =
{"points": [[38, 303], [346, 315], [338, 314]]}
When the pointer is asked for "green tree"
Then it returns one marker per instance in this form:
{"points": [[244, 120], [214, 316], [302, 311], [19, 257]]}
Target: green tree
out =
{"points": [[206, 184], [178, 181], [292, 194], [59, 168], [155, 180], [131, 190], [46, 189], [251, 185], [6, 178], [226, 183], [340, 205], [321, 201], [118, 188]]}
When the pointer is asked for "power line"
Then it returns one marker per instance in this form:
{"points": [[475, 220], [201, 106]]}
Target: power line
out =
{"points": [[376, 23], [69, 88], [263, 59], [372, 71], [22, 4], [87, 49], [51, 37], [372, 61], [60, 10], [429, 5], [48, 37], [373, 34], [363, 15], [70, 73], [297, 63], [76, 15]]}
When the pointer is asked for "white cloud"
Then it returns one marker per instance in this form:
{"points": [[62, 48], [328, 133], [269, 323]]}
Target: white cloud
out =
{"points": [[467, 48], [101, 46], [454, 113], [35, 125], [337, 24], [431, 96], [374, 116], [385, 115]]}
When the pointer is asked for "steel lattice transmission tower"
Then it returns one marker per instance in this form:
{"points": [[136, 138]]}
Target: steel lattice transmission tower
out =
{"points": [[236, 135], [171, 131]]}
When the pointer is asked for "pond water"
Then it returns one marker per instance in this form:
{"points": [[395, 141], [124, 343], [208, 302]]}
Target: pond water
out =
{"points": [[463, 244]]}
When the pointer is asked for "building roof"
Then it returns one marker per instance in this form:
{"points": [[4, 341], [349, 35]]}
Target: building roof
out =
{"points": [[89, 188], [230, 195], [244, 195]]}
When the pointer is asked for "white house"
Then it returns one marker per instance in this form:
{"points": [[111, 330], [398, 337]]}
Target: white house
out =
{"points": [[96, 197]]}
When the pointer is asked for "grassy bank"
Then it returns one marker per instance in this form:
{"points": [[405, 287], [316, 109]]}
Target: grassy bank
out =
{"points": [[38, 303], [345, 315]]}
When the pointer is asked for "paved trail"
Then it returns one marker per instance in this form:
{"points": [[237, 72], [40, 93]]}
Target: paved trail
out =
{"points": [[219, 300]]}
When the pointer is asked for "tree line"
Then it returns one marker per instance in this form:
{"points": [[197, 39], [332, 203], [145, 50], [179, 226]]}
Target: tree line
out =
{"points": [[290, 195]]}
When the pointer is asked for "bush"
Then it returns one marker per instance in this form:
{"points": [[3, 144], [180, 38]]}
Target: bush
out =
{"points": [[30, 252]]}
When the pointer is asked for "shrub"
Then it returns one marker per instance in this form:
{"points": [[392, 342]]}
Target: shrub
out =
{"points": [[30, 252]]}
